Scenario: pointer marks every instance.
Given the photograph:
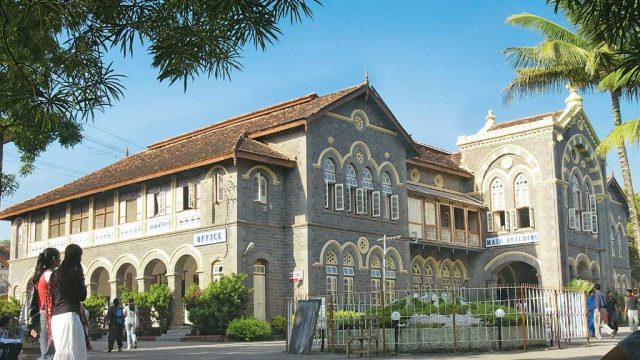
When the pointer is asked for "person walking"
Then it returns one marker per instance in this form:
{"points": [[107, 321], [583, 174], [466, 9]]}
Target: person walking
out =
{"points": [[591, 306], [115, 321], [48, 260], [67, 290], [600, 312], [131, 324], [631, 309], [612, 314]]}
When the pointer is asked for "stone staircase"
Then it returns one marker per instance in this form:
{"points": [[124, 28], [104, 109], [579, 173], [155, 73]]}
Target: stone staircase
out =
{"points": [[175, 334]]}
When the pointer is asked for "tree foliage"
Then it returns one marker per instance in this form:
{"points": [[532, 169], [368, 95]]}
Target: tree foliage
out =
{"points": [[53, 73], [154, 305], [211, 309]]}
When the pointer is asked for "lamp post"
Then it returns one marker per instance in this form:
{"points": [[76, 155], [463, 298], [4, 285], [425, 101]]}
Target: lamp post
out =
{"points": [[384, 239], [499, 314]]}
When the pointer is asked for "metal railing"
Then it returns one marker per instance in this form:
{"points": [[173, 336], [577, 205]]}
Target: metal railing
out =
{"points": [[452, 319]]}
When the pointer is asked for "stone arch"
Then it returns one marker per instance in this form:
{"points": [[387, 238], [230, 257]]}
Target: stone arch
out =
{"points": [[362, 113], [367, 152], [272, 174], [353, 249], [324, 152], [98, 263], [123, 260], [510, 149], [624, 282], [512, 256], [594, 269], [378, 250], [419, 261], [398, 258], [581, 142], [152, 255], [490, 176], [572, 267], [434, 265], [182, 251], [215, 168], [462, 267], [389, 165], [27, 279], [123, 265], [331, 243], [582, 257]]}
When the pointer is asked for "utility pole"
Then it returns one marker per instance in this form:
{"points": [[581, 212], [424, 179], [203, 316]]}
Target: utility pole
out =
{"points": [[384, 239]]}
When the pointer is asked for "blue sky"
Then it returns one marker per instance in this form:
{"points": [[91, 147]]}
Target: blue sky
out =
{"points": [[437, 64]]}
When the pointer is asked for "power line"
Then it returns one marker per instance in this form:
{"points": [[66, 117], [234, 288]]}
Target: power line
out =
{"points": [[105, 144], [99, 152], [49, 170], [45, 164], [117, 136]]}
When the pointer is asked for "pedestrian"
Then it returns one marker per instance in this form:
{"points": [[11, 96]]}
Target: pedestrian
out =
{"points": [[131, 324], [591, 306], [612, 313], [631, 309], [67, 290], [4, 327], [48, 260], [600, 312], [115, 321]]}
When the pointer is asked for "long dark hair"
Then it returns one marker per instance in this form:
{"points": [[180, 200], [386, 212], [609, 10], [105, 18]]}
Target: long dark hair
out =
{"points": [[46, 261], [71, 264]]}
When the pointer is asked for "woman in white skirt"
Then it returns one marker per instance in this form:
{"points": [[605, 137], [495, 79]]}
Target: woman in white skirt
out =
{"points": [[67, 292]]}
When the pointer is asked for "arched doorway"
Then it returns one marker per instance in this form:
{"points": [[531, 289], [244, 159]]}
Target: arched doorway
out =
{"points": [[126, 278], [99, 284], [583, 271], [185, 276], [517, 272], [259, 289], [155, 273]]}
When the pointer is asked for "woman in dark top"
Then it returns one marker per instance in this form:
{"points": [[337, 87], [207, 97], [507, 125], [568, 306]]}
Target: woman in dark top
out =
{"points": [[67, 292], [612, 313]]}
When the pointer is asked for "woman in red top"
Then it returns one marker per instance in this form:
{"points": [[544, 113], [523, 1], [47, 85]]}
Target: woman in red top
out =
{"points": [[48, 260]]}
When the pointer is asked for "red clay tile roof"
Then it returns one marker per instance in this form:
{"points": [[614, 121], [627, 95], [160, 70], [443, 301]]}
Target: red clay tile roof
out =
{"points": [[525, 120], [440, 157], [197, 148]]}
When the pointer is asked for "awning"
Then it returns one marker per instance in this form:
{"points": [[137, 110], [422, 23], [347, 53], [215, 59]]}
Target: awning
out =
{"points": [[441, 194]]}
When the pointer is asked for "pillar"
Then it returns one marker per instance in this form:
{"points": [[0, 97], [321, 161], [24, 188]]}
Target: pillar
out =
{"points": [[113, 285], [174, 281], [143, 283]]}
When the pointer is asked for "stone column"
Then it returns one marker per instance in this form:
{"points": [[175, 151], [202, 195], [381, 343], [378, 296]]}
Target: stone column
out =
{"points": [[143, 283], [114, 289], [174, 281]]}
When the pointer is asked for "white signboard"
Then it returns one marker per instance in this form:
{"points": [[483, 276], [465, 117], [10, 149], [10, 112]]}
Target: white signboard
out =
{"points": [[296, 275], [512, 239], [210, 237]]}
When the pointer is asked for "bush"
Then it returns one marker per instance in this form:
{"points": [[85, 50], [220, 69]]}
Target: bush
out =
{"points": [[211, 309], [153, 305], [278, 323], [10, 307], [95, 305], [248, 329], [579, 284]]}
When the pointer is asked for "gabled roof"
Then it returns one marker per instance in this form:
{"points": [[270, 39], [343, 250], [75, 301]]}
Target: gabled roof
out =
{"points": [[525, 120], [614, 186], [234, 138], [431, 155]]}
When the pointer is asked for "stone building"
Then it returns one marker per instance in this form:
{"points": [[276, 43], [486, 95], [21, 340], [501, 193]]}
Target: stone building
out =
{"points": [[303, 190]]}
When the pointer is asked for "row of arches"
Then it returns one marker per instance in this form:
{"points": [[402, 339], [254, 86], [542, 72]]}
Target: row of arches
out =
{"points": [[429, 273], [584, 268]]}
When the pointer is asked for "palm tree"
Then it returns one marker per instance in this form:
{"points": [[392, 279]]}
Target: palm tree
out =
{"points": [[575, 57]]}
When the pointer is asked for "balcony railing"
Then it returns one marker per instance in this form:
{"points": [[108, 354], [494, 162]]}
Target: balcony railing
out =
{"points": [[474, 239], [130, 230], [58, 243], [445, 235], [81, 239], [159, 225], [36, 248], [188, 219], [460, 237], [104, 235]]}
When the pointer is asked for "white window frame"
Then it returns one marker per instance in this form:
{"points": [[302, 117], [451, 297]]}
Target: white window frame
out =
{"points": [[395, 207], [375, 204], [497, 195], [260, 181], [367, 179], [360, 201], [386, 183], [339, 196]]}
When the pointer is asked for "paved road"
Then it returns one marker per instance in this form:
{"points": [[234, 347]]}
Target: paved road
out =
{"points": [[272, 350]]}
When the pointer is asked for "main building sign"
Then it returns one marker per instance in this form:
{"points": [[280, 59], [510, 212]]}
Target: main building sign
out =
{"points": [[512, 239], [210, 237]]}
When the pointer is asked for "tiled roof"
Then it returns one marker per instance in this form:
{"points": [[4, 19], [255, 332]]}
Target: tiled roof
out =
{"points": [[197, 148], [433, 155], [525, 120]]}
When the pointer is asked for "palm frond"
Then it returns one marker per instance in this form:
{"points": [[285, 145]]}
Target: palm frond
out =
{"points": [[563, 52], [538, 80], [628, 132], [549, 29], [527, 56], [628, 80]]}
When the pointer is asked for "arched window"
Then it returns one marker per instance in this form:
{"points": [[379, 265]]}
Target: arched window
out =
{"points": [[417, 277], [216, 271], [575, 213], [497, 194], [386, 183], [523, 216], [497, 219], [367, 179], [457, 277], [612, 238], [329, 171], [390, 279], [347, 270], [330, 186], [446, 277], [376, 274], [331, 269], [428, 275], [576, 196], [620, 234], [260, 188], [351, 175], [350, 193]]}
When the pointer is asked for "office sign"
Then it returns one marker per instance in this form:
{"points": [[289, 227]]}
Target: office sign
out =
{"points": [[512, 239], [210, 237]]}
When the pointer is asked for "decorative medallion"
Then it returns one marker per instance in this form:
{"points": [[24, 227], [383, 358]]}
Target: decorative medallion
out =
{"points": [[583, 164], [359, 156], [415, 174], [386, 155], [575, 155], [363, 245], [438, 181], [506, 163], [330, 140]]}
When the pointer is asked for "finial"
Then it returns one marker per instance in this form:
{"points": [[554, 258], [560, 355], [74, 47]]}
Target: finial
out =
{"points": [[490, 117], [366, 77], [573, 99], [126, 151]]}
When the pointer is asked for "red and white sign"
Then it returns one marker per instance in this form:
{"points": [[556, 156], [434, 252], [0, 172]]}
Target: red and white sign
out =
{"points": [[296, 275]]}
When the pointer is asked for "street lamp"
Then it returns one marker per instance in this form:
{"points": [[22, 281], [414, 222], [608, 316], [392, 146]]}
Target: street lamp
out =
{"points": [[384, 239], [499, 314]]}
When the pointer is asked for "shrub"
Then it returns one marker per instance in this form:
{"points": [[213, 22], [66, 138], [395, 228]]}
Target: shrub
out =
{"points": [[248, 329], [10, 307], [211, 309], [278, 323], [153, 305], [95, 305], [579, 284]]}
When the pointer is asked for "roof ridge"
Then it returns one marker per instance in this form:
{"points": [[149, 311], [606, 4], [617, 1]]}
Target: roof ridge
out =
{"points": [[434, 147], [532, 116], [236, 119]]}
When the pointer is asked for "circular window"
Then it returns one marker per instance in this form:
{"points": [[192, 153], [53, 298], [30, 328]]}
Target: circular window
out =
{"points": [[358, 121], [359, 156], [363, 245], [439, 180]]}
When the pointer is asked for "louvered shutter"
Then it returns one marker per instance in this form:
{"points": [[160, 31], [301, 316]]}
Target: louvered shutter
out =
{"points": [[395, 213], [162, 202], [586, 221], [507, 219], [150, 205], [594, 223], [514, 218], [359, 201], [192, 195], [532, 222], [123, 211], [347, 199], [572, 218], [375, 206], [138, 206], [167, 200], [339, 200], [326, 194], [490, 222], [219, 187], [179, 198], [592, 204]]}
